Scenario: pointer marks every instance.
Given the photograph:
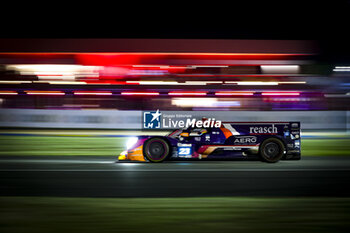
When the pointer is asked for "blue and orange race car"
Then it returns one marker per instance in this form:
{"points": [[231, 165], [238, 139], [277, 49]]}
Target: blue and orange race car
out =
{"points": [[269, 141]]}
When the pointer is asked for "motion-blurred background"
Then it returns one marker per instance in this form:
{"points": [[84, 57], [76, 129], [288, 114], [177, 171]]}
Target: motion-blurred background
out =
{"points": [[68, 102], [239, 80]]}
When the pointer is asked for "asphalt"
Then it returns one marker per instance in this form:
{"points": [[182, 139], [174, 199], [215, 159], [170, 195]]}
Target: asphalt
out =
{"points": [[104, 177]]}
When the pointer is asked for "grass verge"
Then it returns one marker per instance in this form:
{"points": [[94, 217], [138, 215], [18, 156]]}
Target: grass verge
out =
{"points": [[112, 146], [231, 214], [47, 145]]}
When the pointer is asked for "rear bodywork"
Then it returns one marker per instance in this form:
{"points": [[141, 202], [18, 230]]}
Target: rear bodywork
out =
{"points": [[231, 140]]}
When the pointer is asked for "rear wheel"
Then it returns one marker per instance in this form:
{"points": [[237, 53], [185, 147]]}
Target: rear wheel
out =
{"points": [[156, 150], [271, 150]]}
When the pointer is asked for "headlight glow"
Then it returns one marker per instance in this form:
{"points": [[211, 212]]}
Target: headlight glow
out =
{"points": [[130, 142]]}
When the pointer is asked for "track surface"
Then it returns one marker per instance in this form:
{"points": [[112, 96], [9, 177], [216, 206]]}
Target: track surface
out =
{"points": [[104, 177]]}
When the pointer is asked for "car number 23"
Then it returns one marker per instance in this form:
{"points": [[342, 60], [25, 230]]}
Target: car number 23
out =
{"points": [[183, 151]]}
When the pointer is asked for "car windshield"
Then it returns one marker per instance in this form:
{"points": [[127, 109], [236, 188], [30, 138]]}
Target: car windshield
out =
{"points": [[177, 132]]}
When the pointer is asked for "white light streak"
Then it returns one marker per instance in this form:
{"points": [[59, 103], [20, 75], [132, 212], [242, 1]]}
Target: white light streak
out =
{"points": [[45, 93], [258, 83], [347, 95], [61, 82], [204, 102], [59, 77], [70, 71], [194, 102], [280, 69], [15, 82]]}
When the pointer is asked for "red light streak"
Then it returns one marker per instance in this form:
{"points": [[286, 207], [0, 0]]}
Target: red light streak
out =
{"points": [[135, 58], [92, 93], [140, 93], [106, 82], [232, 93], [280, 93], [8, 93], [232, 75]]}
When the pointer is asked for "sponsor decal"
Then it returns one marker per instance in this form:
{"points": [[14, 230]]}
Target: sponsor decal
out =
{"points": [[184, 150], [152, 120], [245, 140], [184, 144], [263, 129], [155, 120], [194, 123]]}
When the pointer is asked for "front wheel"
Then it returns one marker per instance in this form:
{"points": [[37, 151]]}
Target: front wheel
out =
{"points": [[156, 150], [271, 150]]}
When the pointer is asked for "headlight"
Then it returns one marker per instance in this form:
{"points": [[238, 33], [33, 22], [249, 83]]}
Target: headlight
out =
{"points": [[131, 141]]}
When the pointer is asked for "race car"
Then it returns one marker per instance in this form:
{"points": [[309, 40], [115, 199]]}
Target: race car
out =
{"points": [[268, 141]]}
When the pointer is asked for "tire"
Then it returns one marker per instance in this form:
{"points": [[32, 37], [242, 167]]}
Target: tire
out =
{"points": [[156, 150], [271, 150]]}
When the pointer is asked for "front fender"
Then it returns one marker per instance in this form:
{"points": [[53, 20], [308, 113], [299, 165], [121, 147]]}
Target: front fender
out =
{"points": [[135, 153]]}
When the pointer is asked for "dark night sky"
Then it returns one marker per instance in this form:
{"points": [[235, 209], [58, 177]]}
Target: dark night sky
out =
{"points": [[326, 22]]}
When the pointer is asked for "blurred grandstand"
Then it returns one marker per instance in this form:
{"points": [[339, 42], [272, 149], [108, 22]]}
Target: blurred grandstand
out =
{"points": [[172, 75]]}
